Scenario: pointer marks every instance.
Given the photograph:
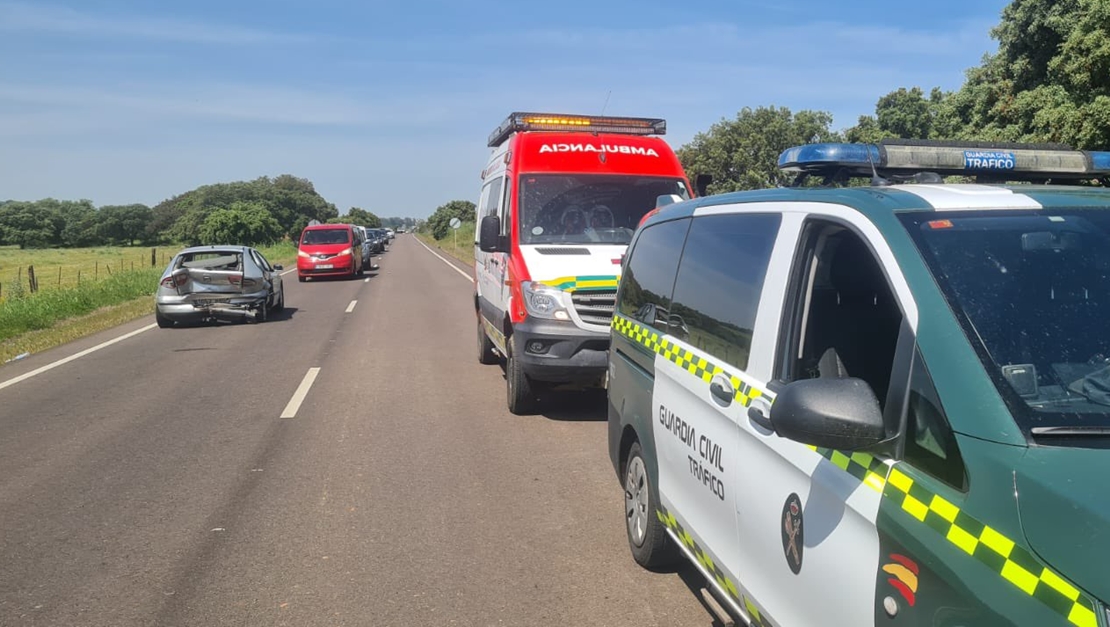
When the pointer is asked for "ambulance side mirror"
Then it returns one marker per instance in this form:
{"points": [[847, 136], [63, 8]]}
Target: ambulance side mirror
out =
{"points": [[841, 414], [489, 235], [702, 183]]}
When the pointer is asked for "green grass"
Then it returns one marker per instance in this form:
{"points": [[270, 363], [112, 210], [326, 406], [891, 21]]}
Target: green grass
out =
{"points": [[464, 252]]}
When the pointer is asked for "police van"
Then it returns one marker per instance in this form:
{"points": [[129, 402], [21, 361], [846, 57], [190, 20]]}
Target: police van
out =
{"points": [[561, 197], [878, 405]]}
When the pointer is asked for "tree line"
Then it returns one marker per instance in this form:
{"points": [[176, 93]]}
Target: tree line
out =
{"points": [[256, 212]]}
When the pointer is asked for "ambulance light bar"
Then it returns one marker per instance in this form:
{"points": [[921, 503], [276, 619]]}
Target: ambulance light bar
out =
{"points": [[907, 157], [517, 122]]}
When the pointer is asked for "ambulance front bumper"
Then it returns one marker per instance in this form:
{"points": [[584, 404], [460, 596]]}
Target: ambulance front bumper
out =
{"points": [[555, 351]]}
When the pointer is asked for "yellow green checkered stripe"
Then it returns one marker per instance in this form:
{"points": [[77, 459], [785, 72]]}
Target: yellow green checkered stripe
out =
{"points": [[869, 470], [684, 536], [583, 283], [1014, 563], [694, 364], [1002, 555]]}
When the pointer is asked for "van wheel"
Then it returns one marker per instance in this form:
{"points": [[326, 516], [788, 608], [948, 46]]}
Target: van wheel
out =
{"points": [[522, 399], [486, 355], [651, 547], [163, 322]]}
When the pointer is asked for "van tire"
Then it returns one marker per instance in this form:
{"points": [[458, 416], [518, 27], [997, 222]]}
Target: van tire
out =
{"points": [[653, 548], [486, 356], [522, 398]]}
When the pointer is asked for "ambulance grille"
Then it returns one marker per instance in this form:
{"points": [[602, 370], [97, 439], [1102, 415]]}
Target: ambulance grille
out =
{"points": [[562, 251], [595, 306]]}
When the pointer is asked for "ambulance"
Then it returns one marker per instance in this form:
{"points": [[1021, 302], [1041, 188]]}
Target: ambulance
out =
{"points": [[561, 197]]}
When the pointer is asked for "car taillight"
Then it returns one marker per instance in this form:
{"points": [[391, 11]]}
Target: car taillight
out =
{"points": [[176, 280], [235, 279]]}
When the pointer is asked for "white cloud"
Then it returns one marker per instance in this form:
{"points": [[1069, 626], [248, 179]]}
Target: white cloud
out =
{"points": [[21, 17]]}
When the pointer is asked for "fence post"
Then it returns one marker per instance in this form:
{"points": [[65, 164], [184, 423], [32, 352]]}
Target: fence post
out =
{"points": [[31, 282], [59, 276], [132, 266], [153, 257], [96, 271], [78, 277], [108, 267]]}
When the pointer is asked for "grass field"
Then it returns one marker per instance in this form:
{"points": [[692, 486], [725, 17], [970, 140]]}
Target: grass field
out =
{"points": [[464, 251], [65, 310]]}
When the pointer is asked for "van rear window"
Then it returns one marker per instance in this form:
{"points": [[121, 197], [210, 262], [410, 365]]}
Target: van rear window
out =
{"points": [[587, 208]]}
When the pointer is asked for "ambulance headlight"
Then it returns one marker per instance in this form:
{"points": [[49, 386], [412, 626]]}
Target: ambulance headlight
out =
{"points": [[544, 301]]}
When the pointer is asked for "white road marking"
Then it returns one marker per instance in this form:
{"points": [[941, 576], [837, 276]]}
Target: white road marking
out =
{"points": [[60, 362], [300, 394], [288, 271], [351, 307], [453, 266], [366, 280]]}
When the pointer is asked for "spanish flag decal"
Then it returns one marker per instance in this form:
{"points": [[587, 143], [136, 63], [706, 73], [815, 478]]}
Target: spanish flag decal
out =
{"points": [[903, 573]]}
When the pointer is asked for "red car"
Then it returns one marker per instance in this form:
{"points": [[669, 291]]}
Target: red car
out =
{"points": [[329, 250]]}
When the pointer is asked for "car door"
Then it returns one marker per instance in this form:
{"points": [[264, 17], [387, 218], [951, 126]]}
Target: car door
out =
{"points": [[808, 548], [701, 390], [270, 276]]}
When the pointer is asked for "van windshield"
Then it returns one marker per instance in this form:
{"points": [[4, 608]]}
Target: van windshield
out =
{"points": [[588, 208], [325, 236], [1032, 290]]}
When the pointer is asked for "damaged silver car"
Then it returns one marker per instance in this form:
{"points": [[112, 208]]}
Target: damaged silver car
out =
{"points": [[208, 283]]}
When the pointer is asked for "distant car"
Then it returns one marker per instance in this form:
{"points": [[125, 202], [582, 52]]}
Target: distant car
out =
{"points": [[389, 233], [218, 282], [329, 250], [381, 241]]}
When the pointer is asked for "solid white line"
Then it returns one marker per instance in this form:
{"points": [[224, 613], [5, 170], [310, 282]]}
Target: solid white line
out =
{"points": [[351, 307], [366, 280], [300, 394], [288, 271], [453, 266], [60, 362]]}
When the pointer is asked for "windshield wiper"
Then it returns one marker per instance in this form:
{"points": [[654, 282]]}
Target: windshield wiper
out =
{"points": [[1072, 431]]}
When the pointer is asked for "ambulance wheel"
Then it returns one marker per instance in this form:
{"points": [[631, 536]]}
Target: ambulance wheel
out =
{"points": [[486, 356], [522, 399], [651, 547]]}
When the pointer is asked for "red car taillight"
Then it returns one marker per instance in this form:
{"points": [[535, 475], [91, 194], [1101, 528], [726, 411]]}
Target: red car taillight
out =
{"points": [[235, 279], [174, 281]]}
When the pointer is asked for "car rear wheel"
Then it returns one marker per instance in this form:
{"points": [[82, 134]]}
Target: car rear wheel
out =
{"points": [[163, 322], [651, 547], [522, 398], [486, 356], [280, 306], [262, 314]]}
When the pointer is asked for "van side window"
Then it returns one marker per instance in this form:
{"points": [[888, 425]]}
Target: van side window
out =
{"points": [[720, 280], [492, 197], [930, 444], [846, 320], [645, 292]]}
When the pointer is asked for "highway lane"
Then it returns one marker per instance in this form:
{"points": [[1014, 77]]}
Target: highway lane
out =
{"points": [[153, 482]]}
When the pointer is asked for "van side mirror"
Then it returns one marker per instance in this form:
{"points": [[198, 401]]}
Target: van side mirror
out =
{"points": [[840, 414], [702, 183], [489, 235]]}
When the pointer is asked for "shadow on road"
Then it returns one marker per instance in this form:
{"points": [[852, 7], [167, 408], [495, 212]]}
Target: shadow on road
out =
{"points": [[574, 405]]}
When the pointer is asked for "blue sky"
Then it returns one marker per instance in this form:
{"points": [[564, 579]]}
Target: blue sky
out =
{"points": [[387, 105]]}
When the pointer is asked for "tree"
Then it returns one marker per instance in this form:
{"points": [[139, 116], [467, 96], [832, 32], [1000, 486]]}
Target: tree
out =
{"points": [[440, 220], [29, 225], [743, 153], [362, 217], [241, 223], [124, 223]]}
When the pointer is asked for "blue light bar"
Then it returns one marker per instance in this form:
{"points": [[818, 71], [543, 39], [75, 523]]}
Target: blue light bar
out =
{"points": [[905, 158], [802, 157]]}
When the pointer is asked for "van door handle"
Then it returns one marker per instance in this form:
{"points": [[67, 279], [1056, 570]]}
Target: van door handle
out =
{"points": [[721, 389]]}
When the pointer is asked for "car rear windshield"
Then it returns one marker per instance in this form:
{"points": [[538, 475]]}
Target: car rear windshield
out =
{"points": [[230, 260], [326, 236], [1032, 290], [588, 209]]}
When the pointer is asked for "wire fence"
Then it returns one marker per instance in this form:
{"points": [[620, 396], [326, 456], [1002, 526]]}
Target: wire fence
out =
{"points": [[19, 279]]}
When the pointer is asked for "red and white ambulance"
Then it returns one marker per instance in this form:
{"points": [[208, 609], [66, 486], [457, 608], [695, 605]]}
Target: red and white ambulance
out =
{"points": [[561, 197]]}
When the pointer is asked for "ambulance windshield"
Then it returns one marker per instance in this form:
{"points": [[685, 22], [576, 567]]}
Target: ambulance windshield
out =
{"points": [[1033, 292], [588, 209]]}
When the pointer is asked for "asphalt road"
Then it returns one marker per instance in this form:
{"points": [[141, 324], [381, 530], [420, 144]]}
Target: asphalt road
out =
{"points": [[154, 481]]}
